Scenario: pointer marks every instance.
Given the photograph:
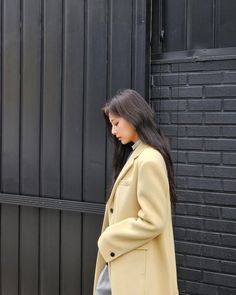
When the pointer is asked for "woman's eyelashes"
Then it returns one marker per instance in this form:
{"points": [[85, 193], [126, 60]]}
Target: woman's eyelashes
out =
{"points": [[115, 123]]}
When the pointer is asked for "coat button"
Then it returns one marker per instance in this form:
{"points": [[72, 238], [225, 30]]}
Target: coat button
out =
{"points": [[112, 254], [111, 210]]}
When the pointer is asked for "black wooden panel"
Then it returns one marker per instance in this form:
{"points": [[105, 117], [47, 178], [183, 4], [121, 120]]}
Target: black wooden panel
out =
{"points": [[71, 240], [156, 26], [174, 25], [9, 249], [49, 252], [51, 108], [30, 145], [225, 23], [72, 124], [119, 61], [30, 133], [10, 144], [29, 251], [91, 231], [139, 61], [200, 26], [10, 96], [120, 45], [95, 97]]}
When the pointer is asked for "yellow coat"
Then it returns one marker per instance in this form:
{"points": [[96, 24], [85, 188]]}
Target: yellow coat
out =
{"points": [[137, 235]]}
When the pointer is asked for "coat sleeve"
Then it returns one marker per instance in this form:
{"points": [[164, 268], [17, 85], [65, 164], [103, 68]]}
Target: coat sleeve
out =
{"points": [[153, 199]]}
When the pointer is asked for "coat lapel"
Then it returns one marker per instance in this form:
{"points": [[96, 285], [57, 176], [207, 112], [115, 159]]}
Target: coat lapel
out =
{"points": [[126, 168]]}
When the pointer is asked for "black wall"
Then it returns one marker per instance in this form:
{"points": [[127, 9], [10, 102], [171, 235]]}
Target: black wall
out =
{"points": [[195, 103], [59, 62]]}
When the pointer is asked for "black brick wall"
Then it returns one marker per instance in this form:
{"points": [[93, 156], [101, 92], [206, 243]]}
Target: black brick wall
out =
{"points": [[195, 103]]}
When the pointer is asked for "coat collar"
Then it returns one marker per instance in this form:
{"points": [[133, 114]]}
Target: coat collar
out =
{"points": [[126, 167]]}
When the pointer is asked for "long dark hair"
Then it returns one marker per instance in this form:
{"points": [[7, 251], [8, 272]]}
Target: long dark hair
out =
{"points": [[131, 106]]}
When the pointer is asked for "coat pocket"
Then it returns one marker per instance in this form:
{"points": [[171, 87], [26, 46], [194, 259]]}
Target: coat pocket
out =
{"points": [[128, 273]]}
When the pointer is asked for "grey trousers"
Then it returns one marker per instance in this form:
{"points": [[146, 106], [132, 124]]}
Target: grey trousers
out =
{"points": [[103, 285]]}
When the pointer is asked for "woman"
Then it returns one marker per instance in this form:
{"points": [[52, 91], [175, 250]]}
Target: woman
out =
{"points": [[136, 248]]}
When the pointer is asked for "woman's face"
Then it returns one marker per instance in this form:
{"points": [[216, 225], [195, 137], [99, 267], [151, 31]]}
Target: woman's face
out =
{"points": [[122, 129]]}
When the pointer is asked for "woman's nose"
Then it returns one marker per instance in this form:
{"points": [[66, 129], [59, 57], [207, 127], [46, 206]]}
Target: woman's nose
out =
{"points": [[113, 130]]}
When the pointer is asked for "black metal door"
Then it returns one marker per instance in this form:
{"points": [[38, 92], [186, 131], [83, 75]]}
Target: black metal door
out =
{"points": [[60, 60]]}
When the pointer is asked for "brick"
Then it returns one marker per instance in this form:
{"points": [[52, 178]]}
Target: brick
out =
{"points": [[181, 284], [169, 79], [160, 92], [229, 185], [226, 291], [198, 210], [203, 131], [163, 118], [205, 66], [219, 279], [189, 274], [229, 131], [189, 91], [160, 68], [186, 118], [200, 288], [181, 182], [220, 226], [204, 78], [188, 222], [205, 184], [218, 252], [174, 130], [171, 105], [228, 240], [188, 67], [202, 263], [178, 157], [229, 104], [179, 233], [220, 171], [229, 213], [228, 267], [190, 196], [204, 105], [186, 143], [220, 144], [187, 248], [229, 158], [221, 118], [229, 77], [204, 157], [203, 237], [180, 259], [222, 199], [221, 91], [188, 170]]}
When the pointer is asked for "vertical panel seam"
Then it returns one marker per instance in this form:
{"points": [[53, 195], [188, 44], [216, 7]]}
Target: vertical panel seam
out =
{"points": [[1, 92], [40, 141], [108, 75], [61, 133], [20, 140], [214, 24], [187, 24], [83, 131], [132, 47]]}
